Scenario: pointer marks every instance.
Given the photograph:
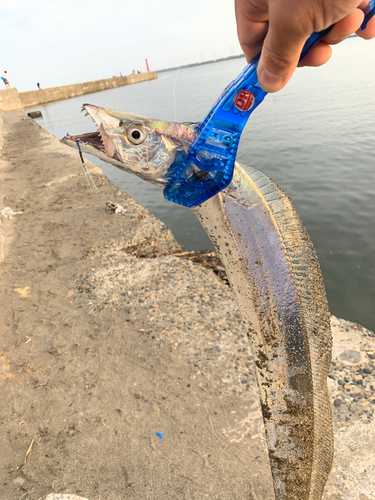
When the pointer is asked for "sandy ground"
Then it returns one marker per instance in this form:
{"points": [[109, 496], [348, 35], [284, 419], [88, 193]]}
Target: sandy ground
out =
{"points": [[131, 378]]}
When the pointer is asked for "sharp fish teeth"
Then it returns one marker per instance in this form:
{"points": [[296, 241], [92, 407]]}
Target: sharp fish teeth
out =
{"points": [[100, 136]]}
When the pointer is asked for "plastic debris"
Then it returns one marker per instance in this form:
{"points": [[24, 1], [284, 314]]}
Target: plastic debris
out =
{"points": [[115, 207], [160, 435], [8, 213], [63, 496]]}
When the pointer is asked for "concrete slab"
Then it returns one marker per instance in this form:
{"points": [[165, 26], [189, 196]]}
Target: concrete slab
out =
{"points": [[101, 351]]}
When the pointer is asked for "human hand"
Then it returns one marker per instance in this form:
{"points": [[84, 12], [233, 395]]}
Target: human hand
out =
{"points": [[280, 29]]}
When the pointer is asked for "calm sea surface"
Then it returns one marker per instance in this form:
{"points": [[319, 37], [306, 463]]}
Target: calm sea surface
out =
{"points": [[316, 139]]}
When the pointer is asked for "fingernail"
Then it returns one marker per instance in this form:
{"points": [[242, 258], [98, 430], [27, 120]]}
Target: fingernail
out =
{"points": [[268, 81]]}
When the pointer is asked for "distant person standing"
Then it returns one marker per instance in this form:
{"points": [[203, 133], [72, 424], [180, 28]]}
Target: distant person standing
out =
{"points": [[39, 87], [5, 80]]}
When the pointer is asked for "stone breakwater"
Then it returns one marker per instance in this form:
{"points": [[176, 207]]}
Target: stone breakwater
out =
{"points": [[11, 99], [108, 337]]}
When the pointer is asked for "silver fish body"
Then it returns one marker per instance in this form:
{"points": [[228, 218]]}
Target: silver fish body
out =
{"points": [[275, 276], [276, 279]]}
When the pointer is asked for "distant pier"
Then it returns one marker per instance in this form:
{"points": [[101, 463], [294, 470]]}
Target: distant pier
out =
{"points": [[11, 99]]}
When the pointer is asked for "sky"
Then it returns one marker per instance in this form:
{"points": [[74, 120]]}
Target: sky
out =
{"points": [[72, 41]]}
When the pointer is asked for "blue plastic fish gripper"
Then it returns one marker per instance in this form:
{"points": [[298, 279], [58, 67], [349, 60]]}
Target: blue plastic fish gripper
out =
{"points": [[208, 166]]}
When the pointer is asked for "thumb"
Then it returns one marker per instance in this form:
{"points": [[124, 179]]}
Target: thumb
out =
{"points": [[281, 52]]}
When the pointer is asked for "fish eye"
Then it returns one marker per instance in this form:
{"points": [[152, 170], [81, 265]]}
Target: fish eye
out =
{"points": [[136, 133]]}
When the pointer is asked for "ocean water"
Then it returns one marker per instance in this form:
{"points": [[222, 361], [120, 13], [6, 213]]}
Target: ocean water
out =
{"points": [[316, 139]]}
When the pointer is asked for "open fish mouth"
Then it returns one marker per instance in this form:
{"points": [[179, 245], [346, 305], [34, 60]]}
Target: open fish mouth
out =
{"points": [[92, 139], [97, 143]]}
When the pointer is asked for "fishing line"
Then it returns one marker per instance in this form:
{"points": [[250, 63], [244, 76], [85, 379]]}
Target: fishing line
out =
{"points": [[174, 94], [89, 179]]}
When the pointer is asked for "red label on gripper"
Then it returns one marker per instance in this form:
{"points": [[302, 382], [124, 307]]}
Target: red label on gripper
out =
{"points": [[244, 100]]}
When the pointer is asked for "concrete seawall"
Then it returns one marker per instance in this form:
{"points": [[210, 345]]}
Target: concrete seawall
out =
{"points": [[11, 99]]}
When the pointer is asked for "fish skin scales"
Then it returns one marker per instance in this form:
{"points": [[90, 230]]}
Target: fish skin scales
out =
{"points": [[276, 278]]}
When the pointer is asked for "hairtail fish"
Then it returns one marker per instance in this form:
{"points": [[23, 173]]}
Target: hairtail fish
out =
{"points": [[276, 279]]}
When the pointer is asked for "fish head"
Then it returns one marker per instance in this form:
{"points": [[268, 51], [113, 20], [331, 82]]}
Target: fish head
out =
{"points": [[136, 144]]}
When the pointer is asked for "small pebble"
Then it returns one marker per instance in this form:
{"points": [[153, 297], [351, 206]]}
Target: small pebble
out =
{"points": [[352, 356], [19, 481]]}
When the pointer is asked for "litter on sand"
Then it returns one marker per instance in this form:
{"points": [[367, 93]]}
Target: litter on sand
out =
{"points": [[115, 207], [8, 213], [159, 434]]}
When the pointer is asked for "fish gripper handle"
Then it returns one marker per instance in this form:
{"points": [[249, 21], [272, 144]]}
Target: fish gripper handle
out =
{"points": [[208, 166]]}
